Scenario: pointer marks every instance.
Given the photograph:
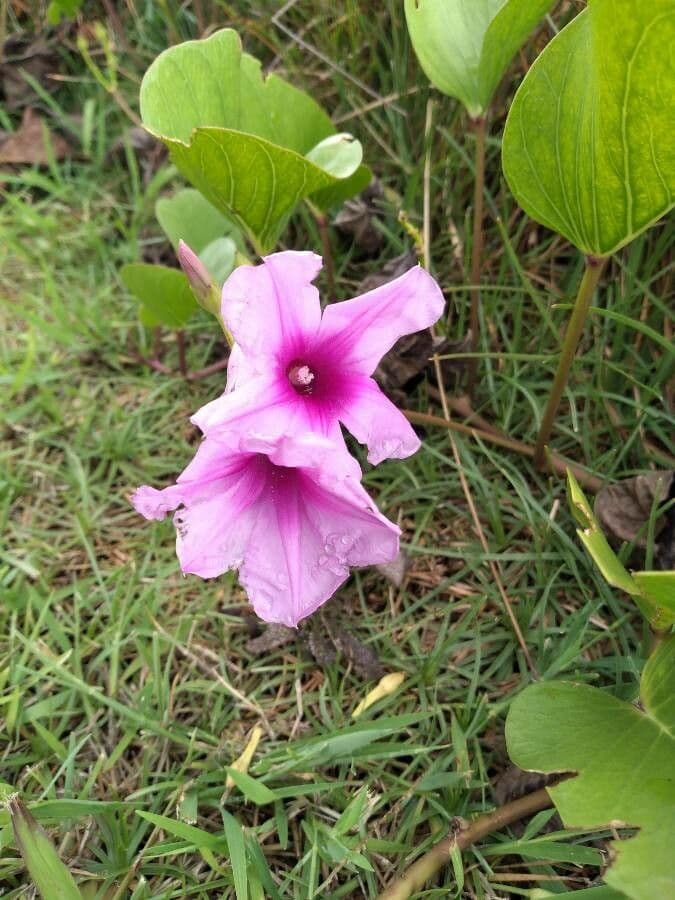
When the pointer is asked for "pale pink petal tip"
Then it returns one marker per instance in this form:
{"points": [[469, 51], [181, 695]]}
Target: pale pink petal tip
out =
{"points": [[267, 305], [374, 421], [151, 503], [368, 326]]}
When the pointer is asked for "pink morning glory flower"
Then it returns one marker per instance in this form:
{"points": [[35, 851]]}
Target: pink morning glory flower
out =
{"points": [[294, 369], [289, 513]]}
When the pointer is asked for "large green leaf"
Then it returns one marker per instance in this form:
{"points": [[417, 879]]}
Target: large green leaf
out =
{"points": [[654, 592], [624, 757], [187, 216], [219, 258], [465, 46], [164, 293], [589, 144], [243, 140]]}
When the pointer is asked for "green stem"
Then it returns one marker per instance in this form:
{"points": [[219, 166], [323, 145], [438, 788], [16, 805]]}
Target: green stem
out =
{"points": [[3, 21], [327, 252], [326, 249], [182, 358], [592, 273], [480, 131], [432, 862]]}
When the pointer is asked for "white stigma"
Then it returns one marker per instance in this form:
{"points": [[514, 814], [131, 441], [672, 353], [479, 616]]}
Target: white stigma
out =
{"points": [[303, 376]]}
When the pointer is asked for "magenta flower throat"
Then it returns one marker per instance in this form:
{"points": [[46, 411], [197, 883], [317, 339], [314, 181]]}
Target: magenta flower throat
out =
{"points": [[295, 369]]}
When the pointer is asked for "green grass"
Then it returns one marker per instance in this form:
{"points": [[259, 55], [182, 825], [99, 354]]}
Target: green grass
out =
{"points": [[122, 681]]}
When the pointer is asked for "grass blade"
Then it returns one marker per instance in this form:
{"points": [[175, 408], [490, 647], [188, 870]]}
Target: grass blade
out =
{"points": [[50, 876]]}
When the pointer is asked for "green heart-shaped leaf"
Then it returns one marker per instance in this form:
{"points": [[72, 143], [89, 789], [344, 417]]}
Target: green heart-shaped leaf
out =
{"points": [[164, 293], [242, 140], [187, 216], [465, 46], [589, 144], [256, 182], [624, 759], [219, 258]]}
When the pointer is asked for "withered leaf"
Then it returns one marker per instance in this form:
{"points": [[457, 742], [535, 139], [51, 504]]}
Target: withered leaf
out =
{"points": [[322, 648], [326, 630], [26, 54], [326, 639], [357, 217], [514, 783], [33, 143], [397, 266], [395, 571], [623, 508], [273, 637]]}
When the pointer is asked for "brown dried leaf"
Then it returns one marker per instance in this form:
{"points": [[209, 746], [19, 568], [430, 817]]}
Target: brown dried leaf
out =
{"points": [[395, 571], [320, 646], [357, 217], [623, 508], [149, 151], [23, 53], [397, 266], [405, 363], [514, 783], [327, 639], [273, 637], [410, 359], [30, 143], [362, 657]]}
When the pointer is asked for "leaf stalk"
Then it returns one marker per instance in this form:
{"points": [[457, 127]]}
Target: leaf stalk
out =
{"points": [[589, 282], [479, 126]]}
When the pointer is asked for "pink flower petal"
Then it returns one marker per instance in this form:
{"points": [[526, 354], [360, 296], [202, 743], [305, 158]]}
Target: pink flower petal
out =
{"points": [[217, 491], [265, 409], [214, 527], [273, 304], [362, 330], [154, 504], [304, 542], [289, 513], [262, 405], [374, 421]]}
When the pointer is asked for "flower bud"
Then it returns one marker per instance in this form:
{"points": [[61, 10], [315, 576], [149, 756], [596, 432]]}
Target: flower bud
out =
{"points": [[194, 268], [205, 291]]}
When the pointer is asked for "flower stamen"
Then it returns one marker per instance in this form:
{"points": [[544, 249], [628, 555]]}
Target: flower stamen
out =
{"points": [[301, 377]]}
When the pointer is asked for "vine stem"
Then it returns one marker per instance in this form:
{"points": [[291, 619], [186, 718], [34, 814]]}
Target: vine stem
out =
{"points": [[326, 250], [182, 357], [575, 328], [558, 463], [432, 862], [479, 126]]}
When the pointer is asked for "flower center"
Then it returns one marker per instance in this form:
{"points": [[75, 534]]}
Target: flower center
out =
{"points": [[301, 377]]}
